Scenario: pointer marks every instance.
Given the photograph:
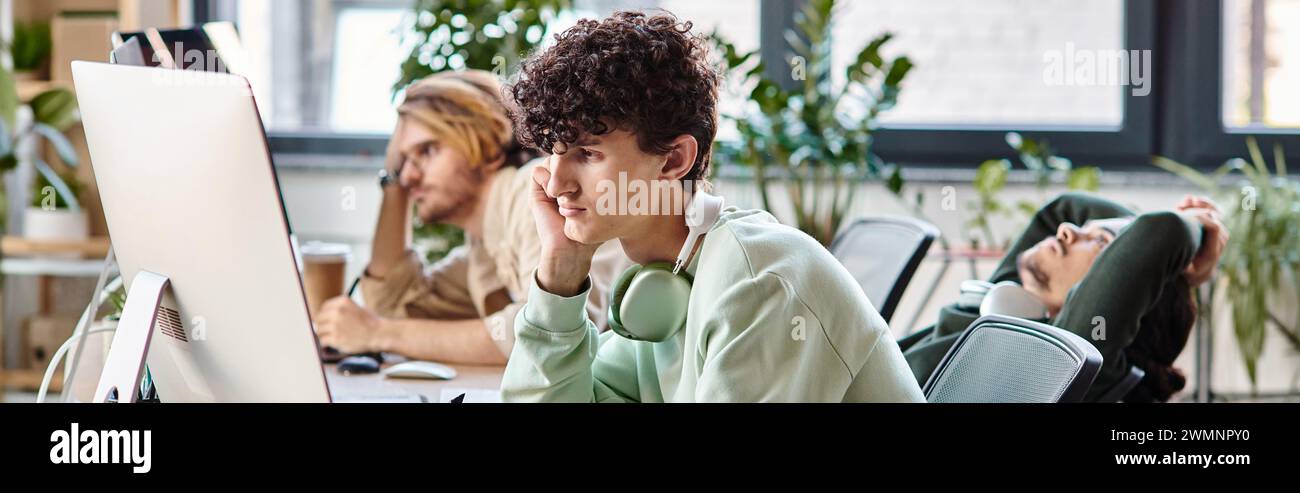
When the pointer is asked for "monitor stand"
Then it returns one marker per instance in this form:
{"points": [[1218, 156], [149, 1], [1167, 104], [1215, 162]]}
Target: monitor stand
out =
{"points": [[124, 367]]}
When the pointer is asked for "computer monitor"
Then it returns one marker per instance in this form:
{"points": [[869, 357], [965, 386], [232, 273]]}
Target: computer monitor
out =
{"points": [[212, 47], [190, 193]]}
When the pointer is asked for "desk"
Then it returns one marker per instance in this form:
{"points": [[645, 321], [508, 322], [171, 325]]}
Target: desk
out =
{"points": [[374, 385]]}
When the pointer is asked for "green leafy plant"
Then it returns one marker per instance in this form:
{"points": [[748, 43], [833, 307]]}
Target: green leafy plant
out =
{"points": [[490, 35], [46, 118], [1263, 214], [24, 127], [1036, 156], [118, 301], [31, 45], [816, 136], [33, 124], [437, 240], [46, 195]]}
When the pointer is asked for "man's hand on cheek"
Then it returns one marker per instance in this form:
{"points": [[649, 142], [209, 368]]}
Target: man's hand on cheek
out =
{"points": [[564, 263]]}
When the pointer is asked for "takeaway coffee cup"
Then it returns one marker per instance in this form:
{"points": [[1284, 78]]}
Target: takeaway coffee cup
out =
{"points": [[324, 267]]}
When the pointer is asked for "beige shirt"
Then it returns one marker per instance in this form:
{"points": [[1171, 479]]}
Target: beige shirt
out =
{"points": [[488, 277]]}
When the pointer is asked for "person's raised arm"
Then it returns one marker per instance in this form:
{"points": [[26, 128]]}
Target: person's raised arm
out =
{"points": [[1107, 306], [1215, 240], [558, 355], [393, 228]]}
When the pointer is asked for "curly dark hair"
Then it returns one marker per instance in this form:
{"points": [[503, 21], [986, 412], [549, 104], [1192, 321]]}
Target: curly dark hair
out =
{"points": [[647, 74]]}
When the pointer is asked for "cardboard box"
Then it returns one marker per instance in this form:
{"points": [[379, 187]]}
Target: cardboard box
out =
{"points": [[85, 5], [136, 15], [42, 336], [79, 38]]}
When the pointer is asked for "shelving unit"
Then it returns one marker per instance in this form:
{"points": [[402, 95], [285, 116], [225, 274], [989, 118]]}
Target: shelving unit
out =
{"points": [[36, 268], [28, 89], [46, 261]]}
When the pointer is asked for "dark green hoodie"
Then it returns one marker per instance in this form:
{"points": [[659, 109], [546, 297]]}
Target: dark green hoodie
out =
{"points": [[1123, 283]]}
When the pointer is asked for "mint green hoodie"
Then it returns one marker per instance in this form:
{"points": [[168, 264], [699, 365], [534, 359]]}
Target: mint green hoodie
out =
{"points": [[772, 317]]}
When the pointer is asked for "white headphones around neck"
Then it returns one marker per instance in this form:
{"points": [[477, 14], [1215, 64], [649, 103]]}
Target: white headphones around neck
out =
{"points": [[648, 302], [1004, 298]]}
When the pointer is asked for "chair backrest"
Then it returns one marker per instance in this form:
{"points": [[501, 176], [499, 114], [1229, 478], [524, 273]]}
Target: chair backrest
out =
{"points": [[1126, 384], [882, 253], [1008, 359]]}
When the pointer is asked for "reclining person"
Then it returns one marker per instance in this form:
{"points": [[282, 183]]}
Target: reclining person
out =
{"points": [[1122, 281], [752, 311]]}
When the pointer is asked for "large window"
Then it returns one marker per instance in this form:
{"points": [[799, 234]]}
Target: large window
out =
{"points": [[328, 67], [324, 67], [1231, 74], [1108, 82], [1082, 74], [735, 19], [996, 62], [1261, 63]]}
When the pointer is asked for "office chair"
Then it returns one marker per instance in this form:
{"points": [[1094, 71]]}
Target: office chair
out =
{"points": [[882, 253], [1007, 359], [1122, 388]]}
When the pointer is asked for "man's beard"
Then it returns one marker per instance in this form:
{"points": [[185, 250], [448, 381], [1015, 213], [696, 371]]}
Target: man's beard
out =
{"points": [[460, 201], [460, 205]]}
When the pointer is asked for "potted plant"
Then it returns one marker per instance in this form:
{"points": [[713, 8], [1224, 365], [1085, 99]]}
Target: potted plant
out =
{"points": [[1038, 157], [54, 212], [1262, 261], [490, 35], [23, 128], [815, 137], [30, 49]]}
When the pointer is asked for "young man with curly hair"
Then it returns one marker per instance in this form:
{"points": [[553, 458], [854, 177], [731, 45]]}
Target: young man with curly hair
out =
{"points": [[769, 313]]}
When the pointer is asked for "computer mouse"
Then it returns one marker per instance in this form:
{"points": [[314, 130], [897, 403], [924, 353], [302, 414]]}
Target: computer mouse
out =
{"points": [[420, 369], [360, 364]]}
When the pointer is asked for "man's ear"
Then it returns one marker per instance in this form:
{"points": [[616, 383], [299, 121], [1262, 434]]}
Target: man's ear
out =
{"points": [[681, 159]]}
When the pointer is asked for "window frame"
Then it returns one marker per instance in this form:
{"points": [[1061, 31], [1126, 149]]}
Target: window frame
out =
{"points": [[1175, 120], [778, 13], [1127, 146], [1192, 128]]}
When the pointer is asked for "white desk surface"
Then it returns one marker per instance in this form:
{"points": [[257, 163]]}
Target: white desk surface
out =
{"points": [[468, 378]]}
